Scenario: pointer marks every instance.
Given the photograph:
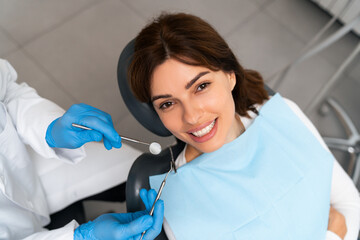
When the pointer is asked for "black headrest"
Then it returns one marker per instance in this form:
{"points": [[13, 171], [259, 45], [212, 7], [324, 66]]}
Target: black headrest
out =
{"points": [[143, 112]]}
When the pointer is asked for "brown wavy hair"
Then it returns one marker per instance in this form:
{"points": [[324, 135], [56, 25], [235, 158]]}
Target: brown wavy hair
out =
{"points": [[190, 40]]}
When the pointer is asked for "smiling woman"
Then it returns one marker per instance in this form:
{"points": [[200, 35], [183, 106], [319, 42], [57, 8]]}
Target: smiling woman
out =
{"points": [[170, 60], [248, 158]]}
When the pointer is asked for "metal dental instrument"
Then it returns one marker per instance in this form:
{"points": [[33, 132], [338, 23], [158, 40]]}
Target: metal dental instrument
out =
{"points": [[154, 147], [172, 160], [160, 190]]}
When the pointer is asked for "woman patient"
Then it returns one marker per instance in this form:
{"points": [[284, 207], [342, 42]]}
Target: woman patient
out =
{"points": [[254, 166]]}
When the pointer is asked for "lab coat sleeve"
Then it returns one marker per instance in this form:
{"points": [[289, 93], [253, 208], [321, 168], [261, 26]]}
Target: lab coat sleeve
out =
{"points": [[64, 233], [32, 114], [344, 196]]}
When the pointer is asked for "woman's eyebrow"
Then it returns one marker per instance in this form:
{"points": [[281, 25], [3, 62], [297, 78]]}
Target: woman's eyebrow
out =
{"points": [[189, 84], [160, 96]]}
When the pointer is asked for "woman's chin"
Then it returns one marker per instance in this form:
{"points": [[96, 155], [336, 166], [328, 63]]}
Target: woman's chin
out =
{"points": [[203, 148]]}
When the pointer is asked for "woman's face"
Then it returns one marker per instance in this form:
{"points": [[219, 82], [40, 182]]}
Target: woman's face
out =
{"points": [[195, 104]]}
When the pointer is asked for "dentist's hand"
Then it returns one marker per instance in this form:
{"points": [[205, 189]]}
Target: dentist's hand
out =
{"points": [[61, 134], [121, 226]]}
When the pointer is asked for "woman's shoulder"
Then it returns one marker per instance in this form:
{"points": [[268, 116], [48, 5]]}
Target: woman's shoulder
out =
{"points": [[292, 105], [288, 101]]}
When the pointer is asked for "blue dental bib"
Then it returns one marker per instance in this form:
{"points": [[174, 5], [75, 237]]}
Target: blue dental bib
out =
{"points": [[272, 182]]}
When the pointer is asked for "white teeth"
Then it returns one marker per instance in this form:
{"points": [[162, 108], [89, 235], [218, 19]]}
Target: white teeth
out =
{"points": [[204, 131]]}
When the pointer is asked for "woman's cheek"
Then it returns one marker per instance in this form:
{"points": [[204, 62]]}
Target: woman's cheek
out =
{"points": [[214, 101], [170, 121]]}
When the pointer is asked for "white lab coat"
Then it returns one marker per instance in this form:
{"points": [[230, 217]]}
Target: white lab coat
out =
{"points": [[24, 117], [36, 180]]}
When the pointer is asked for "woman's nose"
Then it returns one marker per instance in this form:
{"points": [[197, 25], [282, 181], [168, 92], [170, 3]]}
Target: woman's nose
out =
{"points": [[192, 113]]}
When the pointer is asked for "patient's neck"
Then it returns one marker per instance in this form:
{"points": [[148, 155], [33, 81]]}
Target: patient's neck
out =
{"points": [[191, 153]]}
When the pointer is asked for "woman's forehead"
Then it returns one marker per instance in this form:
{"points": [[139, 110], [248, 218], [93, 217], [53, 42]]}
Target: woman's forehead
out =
{"points": [[173, 73]]}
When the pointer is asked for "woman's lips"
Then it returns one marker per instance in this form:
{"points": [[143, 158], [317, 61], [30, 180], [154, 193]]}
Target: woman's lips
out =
{"points": [[201, 132], [204, 133]]}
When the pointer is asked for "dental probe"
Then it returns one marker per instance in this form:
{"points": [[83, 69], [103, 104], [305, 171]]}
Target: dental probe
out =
{"points": [[159, 194], [172, 160], [154, 147]]}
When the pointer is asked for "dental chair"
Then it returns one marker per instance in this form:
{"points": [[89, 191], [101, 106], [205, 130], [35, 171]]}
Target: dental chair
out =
{"points": [[145, 165], [350, 144]]}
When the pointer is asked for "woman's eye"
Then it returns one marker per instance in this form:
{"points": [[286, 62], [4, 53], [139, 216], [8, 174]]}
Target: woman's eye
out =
{"points": [[202, 86], [165, 105]]}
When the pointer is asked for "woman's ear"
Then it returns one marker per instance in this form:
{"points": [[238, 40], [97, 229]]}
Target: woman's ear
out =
{"points": [[232, 80]]}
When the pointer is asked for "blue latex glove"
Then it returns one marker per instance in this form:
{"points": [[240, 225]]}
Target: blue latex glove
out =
{"points": [[61, 134], [121, 226]]}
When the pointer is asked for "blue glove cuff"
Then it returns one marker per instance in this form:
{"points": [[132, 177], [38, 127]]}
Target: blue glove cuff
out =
{"points": [[48, 137], [85, 232]]}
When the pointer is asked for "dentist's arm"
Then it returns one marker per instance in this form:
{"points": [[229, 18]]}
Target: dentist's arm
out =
{"points": [[125, 225], [108, 226], [31, 114]]}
